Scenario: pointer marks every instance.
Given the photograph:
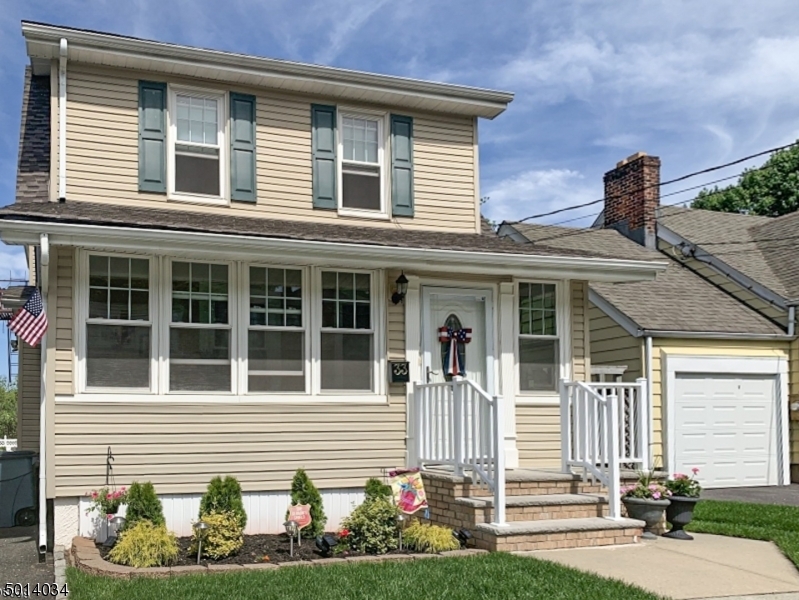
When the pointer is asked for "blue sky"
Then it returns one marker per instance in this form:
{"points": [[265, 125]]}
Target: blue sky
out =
{"points": [[696, 83]]}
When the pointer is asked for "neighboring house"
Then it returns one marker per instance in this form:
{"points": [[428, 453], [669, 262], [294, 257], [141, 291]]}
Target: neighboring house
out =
{"points": [[221, 241], [714, 334]]}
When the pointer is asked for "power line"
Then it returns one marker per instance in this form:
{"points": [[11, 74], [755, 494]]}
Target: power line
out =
{"points": [[658, 185]]}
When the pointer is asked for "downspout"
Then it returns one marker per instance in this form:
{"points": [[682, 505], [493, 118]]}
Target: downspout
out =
{"points": [[44, 245], [649, 386], [791, 321], [62, 122]]}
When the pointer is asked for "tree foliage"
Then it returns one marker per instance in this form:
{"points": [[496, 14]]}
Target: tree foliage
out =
{"points": [[303, 491], [224, 496], [8, 409], [771, 190]]}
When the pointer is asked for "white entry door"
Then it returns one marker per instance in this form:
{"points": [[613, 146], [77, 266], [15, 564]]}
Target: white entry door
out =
{"points": [[457, 308], [726, 426]]}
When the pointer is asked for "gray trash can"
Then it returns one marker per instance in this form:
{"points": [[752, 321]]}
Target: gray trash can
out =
{"points": [[17, 488]]}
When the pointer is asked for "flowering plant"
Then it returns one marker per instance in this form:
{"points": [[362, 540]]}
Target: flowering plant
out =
{"points": [[682, 485], [647, 487], [107, 501]]}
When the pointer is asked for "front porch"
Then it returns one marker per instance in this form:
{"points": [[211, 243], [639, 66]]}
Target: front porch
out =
{"points": [[459, 442]]}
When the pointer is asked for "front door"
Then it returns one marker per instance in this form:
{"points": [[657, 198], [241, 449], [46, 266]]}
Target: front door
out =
{"points": [[465, 316]]}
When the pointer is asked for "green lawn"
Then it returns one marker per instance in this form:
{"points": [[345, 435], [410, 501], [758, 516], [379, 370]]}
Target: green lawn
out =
{"points": [[779, 524], [500, 576]]}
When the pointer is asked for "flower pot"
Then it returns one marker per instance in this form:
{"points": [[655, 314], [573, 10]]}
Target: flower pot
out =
{"points": [[679, 514], [647, 510]]}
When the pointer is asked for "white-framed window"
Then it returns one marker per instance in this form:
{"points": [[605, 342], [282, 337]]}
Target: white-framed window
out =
{"points": [[197, 145], [347, 342], [277, 352], [539, 341], [118, 334], [362, 169], [200, 329]]}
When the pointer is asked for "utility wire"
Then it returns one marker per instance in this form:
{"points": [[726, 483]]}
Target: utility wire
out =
{"points": [[658, 185]]}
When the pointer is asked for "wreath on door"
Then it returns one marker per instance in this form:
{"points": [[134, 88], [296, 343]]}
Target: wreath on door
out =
{"points": [[453, 338]]}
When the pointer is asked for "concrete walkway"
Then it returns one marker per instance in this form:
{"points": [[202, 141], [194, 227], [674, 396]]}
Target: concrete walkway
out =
{"points": [[787, 495], [711, 566]]}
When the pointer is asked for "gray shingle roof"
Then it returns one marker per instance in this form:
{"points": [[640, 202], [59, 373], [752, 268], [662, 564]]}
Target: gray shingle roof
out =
{"points": [[180, 219], [33, 169], [677, 300], [762, 248]]}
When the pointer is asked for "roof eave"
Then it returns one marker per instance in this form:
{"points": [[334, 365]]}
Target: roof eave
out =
{"points": [[716, 335], [116, 50], [15, 231]]}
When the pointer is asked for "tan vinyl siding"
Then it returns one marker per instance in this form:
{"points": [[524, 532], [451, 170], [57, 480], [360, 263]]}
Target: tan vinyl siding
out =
{"points": [[102, 155], [765, 308], [64, 259], [793, 396], [663, 347], [611, 345], [538, 425], [28, 397]]}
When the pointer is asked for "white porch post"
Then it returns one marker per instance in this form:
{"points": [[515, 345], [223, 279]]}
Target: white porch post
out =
{"points": [[413, 339], [507, 353]]}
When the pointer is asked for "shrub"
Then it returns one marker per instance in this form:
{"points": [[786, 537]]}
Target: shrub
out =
{"points": [[145, 545], [429, 538], [143, 505], [372, 527], [377, 489], [303, 491], [224, 495], [682, 485], [223, 536]]}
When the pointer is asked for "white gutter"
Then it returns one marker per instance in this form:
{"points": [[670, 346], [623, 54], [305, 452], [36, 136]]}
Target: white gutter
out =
{"points": [[62, 121], [44, 273], [715, 335], [791, 320], [166, 241]]}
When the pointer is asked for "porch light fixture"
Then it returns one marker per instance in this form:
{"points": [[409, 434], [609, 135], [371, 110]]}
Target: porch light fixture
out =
{"points": [[200, 527], [402, 289], [292, 529]]}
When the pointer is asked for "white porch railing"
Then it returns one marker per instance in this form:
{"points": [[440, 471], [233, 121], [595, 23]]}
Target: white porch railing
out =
{"points": [[605, 425], [8, 444], [457, 424]]}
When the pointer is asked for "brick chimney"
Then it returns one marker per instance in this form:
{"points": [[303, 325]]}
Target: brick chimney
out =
{"points": [[632, 195]]}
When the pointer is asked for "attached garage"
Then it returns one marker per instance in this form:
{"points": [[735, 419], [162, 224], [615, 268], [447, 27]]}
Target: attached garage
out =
{"points": [[727, 417]]}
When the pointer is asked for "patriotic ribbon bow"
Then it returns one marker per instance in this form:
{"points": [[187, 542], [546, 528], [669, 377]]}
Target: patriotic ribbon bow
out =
{"points": [[453, 362]]}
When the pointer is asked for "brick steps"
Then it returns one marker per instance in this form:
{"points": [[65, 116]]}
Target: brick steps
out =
{"points": [[557, 533], [538, 507]]}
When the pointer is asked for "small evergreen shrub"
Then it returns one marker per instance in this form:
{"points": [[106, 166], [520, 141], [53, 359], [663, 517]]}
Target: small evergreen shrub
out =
{"points": [[372, 527], [143, 505], [377, 489], [223, 537], [145, 545], [303, 491], [224, 495], [429, 538]]}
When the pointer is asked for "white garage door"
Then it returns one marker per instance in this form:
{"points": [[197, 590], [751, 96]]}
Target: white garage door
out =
{"points": [[726, 426]]}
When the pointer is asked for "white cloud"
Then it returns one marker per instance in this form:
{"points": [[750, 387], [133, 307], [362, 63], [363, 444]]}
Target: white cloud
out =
{"points": [[12, 264], [535, 192]]}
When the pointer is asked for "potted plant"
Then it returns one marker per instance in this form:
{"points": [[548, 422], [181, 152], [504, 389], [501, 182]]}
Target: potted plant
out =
{"points": [[684, 496], [106, 502], [645, 501]]}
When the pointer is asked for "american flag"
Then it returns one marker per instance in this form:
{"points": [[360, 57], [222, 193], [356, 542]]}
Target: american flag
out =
{"points": [[30, 322]]}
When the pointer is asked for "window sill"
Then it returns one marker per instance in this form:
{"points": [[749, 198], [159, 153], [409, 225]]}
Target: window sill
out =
{"points": [[221, 398], [538, 399], [190, 199], [363, 214]]}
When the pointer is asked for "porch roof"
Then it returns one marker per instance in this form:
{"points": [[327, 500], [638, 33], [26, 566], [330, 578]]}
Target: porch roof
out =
{"points": [[21, 223]]}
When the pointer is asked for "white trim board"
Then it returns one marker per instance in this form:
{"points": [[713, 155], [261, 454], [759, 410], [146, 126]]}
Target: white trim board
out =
{"points": [[728, 365]]}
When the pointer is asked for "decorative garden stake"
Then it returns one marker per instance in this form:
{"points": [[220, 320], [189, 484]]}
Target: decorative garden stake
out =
{"points": [[401, 524], [291, 530], [200, 526]]}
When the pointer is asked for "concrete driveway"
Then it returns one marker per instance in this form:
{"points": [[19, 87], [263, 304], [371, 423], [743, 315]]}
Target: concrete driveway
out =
{"points": [[19, 559], [711, 566], [787, 495]]}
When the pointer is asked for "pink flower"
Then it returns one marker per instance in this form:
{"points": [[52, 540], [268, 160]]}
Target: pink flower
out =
{"points": [[680, 476], [694, 470], [656, 495], [94, 495], [110, 516], [108, 496]]}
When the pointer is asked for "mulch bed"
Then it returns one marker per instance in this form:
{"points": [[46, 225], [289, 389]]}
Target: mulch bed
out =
{"points": [[258, 549]]}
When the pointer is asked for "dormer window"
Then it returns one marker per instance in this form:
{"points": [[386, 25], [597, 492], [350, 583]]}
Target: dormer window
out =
{"points": [[196, 152], [361, 163]]}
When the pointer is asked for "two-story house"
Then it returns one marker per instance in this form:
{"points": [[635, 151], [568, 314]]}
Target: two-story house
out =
{"points": [[248, 263]]}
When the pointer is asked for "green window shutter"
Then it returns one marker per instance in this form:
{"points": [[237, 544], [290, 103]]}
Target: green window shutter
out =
{"points": [[242, 147], [152, 137], [323, 123], [401, 166]]}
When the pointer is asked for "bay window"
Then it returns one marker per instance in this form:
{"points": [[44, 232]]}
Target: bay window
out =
{"points": [[539, 347], [347, 336], [200, 331], [118, 327]]}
